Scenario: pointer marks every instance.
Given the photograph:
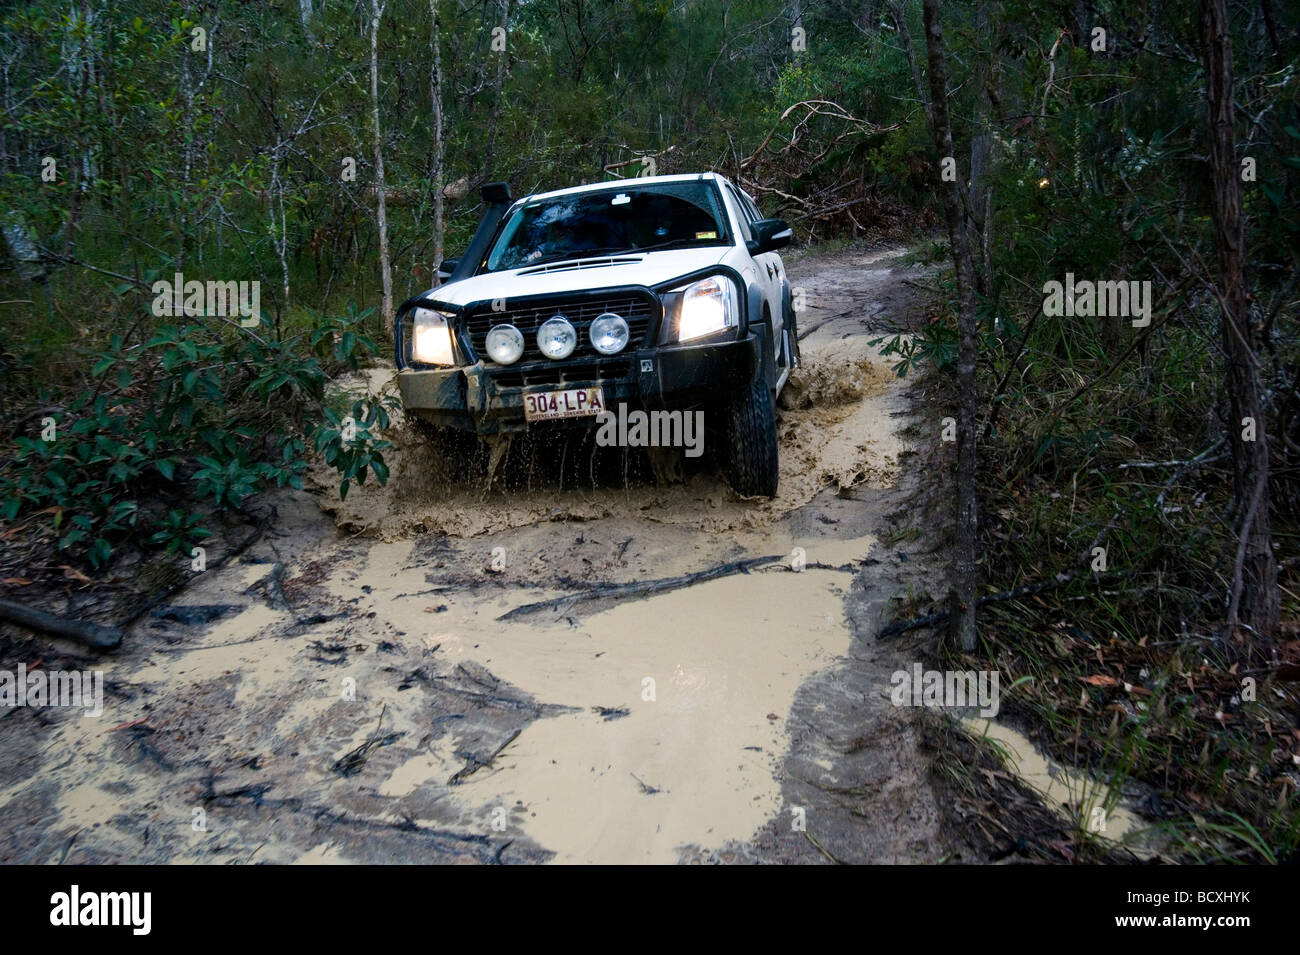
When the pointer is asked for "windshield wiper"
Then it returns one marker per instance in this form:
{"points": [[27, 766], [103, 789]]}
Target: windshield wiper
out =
{"points": [[659, 247], [574, 254]]}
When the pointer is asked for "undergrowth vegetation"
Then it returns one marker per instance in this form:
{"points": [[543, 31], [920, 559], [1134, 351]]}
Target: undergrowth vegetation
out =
{"points": [[1105, 483], [197, 417]]}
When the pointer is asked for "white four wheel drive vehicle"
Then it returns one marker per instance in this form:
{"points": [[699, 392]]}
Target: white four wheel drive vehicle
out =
{"points": [[662, 293]]}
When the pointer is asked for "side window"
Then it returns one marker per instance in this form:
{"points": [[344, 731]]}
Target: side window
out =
{"points": [[752, 207], [742, 213]]}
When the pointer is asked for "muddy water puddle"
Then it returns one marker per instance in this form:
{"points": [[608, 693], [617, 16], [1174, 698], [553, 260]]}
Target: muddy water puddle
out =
{"points": [[1088, 803], [669, 714], [619, 735]]}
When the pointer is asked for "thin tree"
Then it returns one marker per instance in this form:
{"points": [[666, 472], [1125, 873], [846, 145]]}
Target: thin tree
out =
{"points": [[77, 58], [1254, 598], [439, 150], [305, 12], [900, 22], [381, 207], [980, 197], [959, 232]]}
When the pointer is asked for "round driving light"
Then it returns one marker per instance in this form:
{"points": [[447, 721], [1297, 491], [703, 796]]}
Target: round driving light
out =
{"points": [[609, 333], [505, 344], [557, 338]]}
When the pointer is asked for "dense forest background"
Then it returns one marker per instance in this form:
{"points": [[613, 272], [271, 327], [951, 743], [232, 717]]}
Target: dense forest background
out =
{"points": [[333, 150]]}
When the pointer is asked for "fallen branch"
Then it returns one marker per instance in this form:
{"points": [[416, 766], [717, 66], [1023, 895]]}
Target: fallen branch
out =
{"points": [[85, 632], [498, 701], [473, 764], [833, 209], [1188, 466], [69, 260], [350, 763], [814, 107], [652, 156], [643, 587]]}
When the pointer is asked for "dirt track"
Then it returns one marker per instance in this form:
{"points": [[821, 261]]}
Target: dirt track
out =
{"points": [[357, 696]]}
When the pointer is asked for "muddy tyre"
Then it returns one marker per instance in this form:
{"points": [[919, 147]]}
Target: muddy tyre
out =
{"points": [[750, 460]]}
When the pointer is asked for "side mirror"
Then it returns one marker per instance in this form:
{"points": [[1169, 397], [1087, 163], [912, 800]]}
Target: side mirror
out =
{"points": [[769, 235], [446, 268]]}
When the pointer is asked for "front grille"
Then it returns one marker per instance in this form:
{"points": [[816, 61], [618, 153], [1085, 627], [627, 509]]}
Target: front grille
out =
{"points": [[559, 373], [636, 310]]}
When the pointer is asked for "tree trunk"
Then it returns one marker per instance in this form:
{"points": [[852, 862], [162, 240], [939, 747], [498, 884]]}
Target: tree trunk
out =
{"points": [[22, 247], [79, 84], [381, 208], [1254, 599], [279, 230], [304, 12], [436, 173], [980, 206], [967, 398], [187, 156], [900, 21]]}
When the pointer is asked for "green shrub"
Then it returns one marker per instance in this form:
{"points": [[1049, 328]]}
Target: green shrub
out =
{"points": [[224, 412]]}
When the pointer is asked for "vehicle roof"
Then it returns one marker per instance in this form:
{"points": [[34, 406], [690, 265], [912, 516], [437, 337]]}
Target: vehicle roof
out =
{"points": [[614, 183]]}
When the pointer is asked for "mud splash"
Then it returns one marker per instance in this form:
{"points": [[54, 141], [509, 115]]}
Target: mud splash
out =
{"points": [[833, 427]]}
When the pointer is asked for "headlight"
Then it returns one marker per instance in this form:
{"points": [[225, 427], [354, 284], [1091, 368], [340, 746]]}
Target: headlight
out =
{"points": [[608, 333], [431, 337], [557, 338], [703, 308], [504, 344]]}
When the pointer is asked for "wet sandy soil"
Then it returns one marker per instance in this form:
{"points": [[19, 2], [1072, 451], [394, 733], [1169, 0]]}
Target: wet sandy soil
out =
{"points": [[370, 690]]}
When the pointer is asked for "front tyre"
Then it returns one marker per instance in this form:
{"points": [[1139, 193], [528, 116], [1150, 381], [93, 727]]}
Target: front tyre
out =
{"points": [[751, 454]]}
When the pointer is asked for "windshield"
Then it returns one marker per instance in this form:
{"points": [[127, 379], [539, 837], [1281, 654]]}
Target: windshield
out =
{"points": [[629, 218]]}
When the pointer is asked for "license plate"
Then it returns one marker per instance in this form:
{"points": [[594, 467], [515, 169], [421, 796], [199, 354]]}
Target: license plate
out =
{"points": [[569, 403]]}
